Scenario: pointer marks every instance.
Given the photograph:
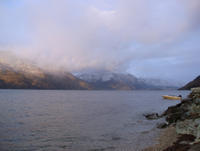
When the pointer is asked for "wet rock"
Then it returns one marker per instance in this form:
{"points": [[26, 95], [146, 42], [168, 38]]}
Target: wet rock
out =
{"points": [[162, 125], [178, 112], [186, 99], [63, 146], [96, 149], [103, 149], [115, 138], [152, 116], [175, 113]]}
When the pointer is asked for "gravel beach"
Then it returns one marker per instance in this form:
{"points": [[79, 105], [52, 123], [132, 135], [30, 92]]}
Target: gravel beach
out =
{"points": [[167, 137]]}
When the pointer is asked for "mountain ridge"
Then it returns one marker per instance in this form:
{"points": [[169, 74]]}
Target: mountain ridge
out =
{"points": [[119, 81], [192, 84], [19, 73]]}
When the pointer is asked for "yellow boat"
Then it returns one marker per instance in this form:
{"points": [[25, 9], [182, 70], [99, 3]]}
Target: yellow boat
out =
{"points": [[171, 97]]}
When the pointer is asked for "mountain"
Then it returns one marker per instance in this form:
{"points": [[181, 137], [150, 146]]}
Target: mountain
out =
{"points": [[110, 81], [17, 73], [192, 84], [105, 80], [159, 84]]}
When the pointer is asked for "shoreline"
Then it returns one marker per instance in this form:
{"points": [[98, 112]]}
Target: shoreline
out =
{"points": [[182, 128], [166, 138]]}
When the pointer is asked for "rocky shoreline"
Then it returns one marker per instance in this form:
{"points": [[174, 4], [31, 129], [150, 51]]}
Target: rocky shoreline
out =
{"points": [[182, 127]]}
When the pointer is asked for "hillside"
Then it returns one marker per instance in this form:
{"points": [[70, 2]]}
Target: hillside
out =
{"points": [[192, 84], [16, 73]]}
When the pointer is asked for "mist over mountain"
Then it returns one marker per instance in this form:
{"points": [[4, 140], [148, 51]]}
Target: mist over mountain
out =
{"points": [[16, 73], [122, 81], [160, 83], [150, 39], [19, 73], [109, 80]]}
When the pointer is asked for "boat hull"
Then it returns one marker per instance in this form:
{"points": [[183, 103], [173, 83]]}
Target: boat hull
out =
{"points": [[171, 97]]}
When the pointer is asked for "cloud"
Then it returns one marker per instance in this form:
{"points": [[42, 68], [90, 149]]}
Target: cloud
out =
{"points": [[112, 35]]}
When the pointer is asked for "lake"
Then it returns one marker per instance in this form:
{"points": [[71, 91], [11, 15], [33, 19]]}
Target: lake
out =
{"points": [[56, 120]]}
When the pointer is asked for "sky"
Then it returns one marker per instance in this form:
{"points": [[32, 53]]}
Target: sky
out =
{"points": [[148, 38]]}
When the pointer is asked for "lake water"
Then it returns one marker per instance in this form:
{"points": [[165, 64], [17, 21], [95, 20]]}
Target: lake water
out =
{"points": [[50, 120]]}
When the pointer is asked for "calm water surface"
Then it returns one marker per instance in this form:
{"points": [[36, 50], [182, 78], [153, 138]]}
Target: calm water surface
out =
{"points": [[39, 120]]}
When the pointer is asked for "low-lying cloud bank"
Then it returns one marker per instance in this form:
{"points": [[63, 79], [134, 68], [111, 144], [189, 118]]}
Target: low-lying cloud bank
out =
{"points": [[147, 38]]}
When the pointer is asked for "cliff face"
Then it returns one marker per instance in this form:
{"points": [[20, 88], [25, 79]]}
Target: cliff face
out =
{"points": [[192, 84]]}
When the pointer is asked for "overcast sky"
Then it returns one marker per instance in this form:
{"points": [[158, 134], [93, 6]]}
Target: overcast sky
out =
{"points": [[148, 38]]}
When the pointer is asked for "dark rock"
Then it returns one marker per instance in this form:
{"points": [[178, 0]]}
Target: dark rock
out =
{"points": [[186, 99], [152, 116], [116, 138], [178, 112], [173, 114], [100, 149], [178, 147], [186, 137], [162, 125]]}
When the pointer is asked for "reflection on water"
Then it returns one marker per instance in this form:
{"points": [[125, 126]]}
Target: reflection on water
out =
{"points": [[78, 120]]}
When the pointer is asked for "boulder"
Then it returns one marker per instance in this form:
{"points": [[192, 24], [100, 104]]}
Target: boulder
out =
{"points": [[195, 93], [176, 113], [187, 109], [189, 127]]}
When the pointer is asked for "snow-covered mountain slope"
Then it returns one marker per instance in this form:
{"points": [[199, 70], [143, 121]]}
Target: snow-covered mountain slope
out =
{"points": [[113, 80]]}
